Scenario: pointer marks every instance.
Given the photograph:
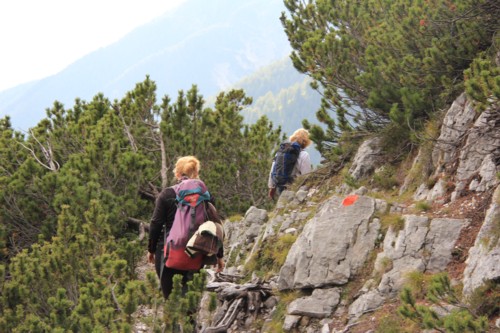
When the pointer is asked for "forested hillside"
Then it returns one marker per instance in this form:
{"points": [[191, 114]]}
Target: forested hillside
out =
{"points": [[391, 66], [78, 187], [77, 190], [283, 95]]}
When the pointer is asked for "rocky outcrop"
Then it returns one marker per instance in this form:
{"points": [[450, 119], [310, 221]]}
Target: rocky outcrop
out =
{"points": [[319, 305], [479, 160], [467, 150], [336, 241], [241, 236], [367, 158], [333, 245], [483, 263], [456, 123], [423, 245]]}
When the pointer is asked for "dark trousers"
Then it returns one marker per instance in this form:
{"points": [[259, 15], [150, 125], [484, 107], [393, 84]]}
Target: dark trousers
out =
{"points": [[167, 276], [280, 189]]}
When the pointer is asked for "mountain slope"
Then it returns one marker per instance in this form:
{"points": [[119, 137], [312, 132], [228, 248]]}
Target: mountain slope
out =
{"points": [[211, 44]]}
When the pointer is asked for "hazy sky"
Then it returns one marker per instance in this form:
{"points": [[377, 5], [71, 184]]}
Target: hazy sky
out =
{"points": [[39, 38]]}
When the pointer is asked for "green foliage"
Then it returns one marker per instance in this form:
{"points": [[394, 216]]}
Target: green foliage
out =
{"points": [[422, 206], [212, 305], [385, 178], [485, 300], [350, 180], [393, 324], [417, 281], [74, 188], [181, 308], [390, 62], [482, 81], [440, 292], [271, 255], [392, 220]]}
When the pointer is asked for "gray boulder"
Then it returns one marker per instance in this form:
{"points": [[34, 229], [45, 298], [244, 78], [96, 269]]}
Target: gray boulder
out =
{"points": [[423, 245], [333, 245], [483, 262], [457, 121], [367, 158], [320, 304], [477, 162]]}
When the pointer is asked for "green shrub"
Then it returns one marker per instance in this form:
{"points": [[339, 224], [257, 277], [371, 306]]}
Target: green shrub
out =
{"points": [[485, 300], [396, 221], [393, 324], [417, 281], [385, 178], [440, 292], [271, 255], [422, 206]]}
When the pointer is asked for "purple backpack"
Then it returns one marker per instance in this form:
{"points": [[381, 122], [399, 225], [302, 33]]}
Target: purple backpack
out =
{"points": [[191, 213]]}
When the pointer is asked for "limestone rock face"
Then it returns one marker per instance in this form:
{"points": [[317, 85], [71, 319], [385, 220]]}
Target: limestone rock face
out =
{"points": [[467, 152], [367, 159], [240, 236], [479, 160], [483, 263], [319, 305], [459, 118], [423, 245], [333, 245]]}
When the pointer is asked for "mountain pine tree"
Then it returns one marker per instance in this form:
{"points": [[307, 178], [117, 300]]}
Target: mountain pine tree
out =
{"points": [[386, 63]]}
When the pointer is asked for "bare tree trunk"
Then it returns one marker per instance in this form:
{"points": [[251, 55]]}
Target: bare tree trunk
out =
{"points": [[164, 167]]}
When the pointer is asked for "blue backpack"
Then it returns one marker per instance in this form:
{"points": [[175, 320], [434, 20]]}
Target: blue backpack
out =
{"points": [[284, 162]]}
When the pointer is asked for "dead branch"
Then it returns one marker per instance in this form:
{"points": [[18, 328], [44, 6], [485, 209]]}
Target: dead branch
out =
{"points": [[164, 167], [52, 164], [142, 232], [228, 318], [142, 226], [115, 300]]}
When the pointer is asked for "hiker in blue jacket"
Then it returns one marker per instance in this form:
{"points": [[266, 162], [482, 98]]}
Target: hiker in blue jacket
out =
{"points": [[187, 167], [301, 163]]}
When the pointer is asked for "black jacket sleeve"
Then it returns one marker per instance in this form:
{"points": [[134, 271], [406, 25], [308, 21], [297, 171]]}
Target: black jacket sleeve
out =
{"points": [[163, 217]]}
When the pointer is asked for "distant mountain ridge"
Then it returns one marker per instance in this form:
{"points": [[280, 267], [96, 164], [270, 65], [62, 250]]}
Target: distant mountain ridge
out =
{"points": [[211, 44]]}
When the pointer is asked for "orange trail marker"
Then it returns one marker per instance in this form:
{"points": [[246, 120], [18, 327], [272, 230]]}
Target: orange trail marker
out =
{"points": [[349, 200]]}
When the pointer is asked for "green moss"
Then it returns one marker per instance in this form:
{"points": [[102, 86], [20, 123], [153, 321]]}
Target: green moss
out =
{"points": [[235, 218], [385, 178], [422, 206], [278, 316], [396, 221], [271, 255], [417, 282]]}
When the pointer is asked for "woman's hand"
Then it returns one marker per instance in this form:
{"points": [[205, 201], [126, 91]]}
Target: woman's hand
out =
{"points": [[272, 191], [220, 265]]}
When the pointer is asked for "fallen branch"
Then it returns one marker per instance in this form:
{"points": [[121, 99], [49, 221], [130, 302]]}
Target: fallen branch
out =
{"points": [[245, 300], [138, 223], [228, 318]]}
